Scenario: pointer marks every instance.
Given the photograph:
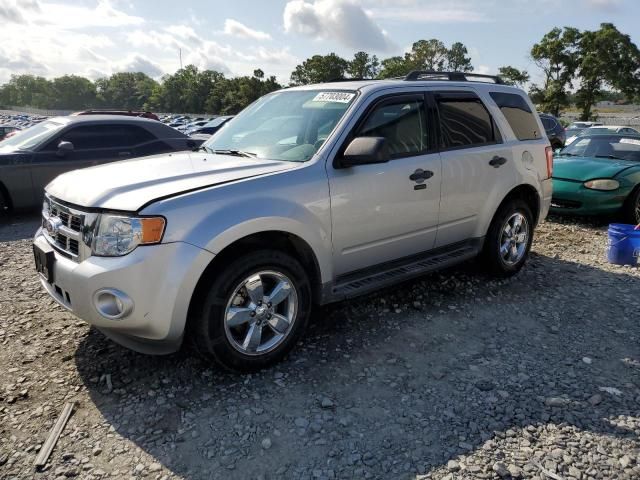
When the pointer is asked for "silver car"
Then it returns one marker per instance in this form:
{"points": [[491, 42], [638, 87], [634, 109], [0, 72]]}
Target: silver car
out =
{"points": [[310, 195]]}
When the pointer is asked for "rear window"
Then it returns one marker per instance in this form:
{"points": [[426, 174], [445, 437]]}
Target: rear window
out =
{"points": [[465, 122], [518, 114]]}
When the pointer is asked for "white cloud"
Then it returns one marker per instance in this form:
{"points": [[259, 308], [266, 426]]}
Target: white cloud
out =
{"points": [[437, 14], [138, 63], [184, 32], [341, 20], [237, 29]]}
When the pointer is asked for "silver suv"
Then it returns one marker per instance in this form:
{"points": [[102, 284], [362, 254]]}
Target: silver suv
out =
{"points": [[311, 195]]}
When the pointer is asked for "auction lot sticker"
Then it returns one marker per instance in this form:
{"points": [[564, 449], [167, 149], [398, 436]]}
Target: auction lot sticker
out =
{"points": [[338, 97]]}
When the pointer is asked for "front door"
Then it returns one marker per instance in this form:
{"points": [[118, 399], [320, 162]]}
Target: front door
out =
{"points": [[383, 212], [92, 145]]}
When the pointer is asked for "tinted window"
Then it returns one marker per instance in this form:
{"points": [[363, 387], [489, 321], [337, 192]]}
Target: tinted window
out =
{"points": [[401, 122], [518, 114], [465, 122], [103, 136], [153, 148]]}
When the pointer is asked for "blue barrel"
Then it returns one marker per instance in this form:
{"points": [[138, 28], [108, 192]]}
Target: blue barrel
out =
{"points": [[624, 244]]}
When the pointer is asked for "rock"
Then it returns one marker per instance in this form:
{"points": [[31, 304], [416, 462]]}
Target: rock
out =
{"points": [[501, 469], [139, 468], [514, 471], [574, 472], [556, 402], [453, 466], [301, 422], [327, 403], [595, 399], [155, 467], [587, 360], [266, 443]]}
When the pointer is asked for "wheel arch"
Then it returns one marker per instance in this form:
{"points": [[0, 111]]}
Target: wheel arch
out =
{"points": [[279, 240], [529, 194]]}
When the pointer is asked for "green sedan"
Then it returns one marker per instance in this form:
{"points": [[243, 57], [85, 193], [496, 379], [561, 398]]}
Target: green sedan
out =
{"points": [[598, 175]]}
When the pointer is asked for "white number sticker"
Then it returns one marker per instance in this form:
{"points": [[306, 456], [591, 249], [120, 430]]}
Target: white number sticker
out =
{"points": [[337, 97]]}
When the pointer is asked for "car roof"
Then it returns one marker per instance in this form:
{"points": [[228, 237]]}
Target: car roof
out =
{"points": [[104, 119]]}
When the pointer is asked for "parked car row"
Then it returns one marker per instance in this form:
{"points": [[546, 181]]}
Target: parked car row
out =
{"points": [[10, 124], [200, 126]]}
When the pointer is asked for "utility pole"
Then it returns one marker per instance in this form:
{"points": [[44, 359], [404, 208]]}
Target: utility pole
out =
{"points": [[180, 55]]}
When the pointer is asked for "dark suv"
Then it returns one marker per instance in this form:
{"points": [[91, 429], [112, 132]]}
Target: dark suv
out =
{"points": [[555, 131]]}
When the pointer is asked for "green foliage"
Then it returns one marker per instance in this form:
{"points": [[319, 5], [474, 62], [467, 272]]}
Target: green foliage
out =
{"points": [[126, 90], [319, 69], [512, 76], [428, 55], [556, 55], [363, 65], [606, 57]]}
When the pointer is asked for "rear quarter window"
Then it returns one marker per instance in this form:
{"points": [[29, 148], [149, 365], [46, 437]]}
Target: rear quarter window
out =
{"points": [[518, 114], [465, 122]]}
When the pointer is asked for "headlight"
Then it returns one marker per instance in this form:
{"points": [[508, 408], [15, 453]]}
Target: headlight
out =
{"points": [[602, 184], [118, 235]]}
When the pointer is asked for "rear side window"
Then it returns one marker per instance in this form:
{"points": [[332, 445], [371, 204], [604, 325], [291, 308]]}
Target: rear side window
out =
{"points": [[465, 121], [103, 136], [518, 114], [401, 122]]}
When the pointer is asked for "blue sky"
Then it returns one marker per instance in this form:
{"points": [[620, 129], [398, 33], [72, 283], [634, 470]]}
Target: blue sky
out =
{"points": [[98, 37]]}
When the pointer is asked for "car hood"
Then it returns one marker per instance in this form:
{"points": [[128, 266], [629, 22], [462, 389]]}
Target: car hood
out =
{"points": [[588, 168], [128, 185]]}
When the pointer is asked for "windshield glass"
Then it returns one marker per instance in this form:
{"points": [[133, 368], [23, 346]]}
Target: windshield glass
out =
{"points": [[614, 147], [32, 136], [286, 125]]}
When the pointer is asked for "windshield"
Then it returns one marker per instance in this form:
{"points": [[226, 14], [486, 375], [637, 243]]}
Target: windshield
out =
{"points": [[32, 136], [614, 147], [286, 125]]}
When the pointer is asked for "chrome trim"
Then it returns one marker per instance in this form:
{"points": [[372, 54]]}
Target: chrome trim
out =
{"points": [[76, 226]]}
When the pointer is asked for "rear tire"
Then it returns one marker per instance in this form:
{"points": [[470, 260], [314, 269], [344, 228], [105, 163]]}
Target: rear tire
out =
{"points": [[632, 207], [253, 311], [508, 241], [4, 207]]}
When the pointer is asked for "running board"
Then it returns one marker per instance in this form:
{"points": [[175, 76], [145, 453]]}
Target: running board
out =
{"points": [[390, 273]]}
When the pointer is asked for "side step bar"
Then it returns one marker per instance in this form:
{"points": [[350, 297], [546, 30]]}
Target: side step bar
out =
{"points": [[379, 276]]}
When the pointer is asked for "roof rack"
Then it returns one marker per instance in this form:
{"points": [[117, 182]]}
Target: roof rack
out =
{"points": [[451, 76]]}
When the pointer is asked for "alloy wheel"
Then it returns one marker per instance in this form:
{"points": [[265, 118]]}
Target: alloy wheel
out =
{"points": [[514, 239], [261, 312]]}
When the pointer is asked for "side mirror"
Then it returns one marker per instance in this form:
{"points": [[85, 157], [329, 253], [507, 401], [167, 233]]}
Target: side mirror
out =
{"points": [[64, 148], [365, 150]]}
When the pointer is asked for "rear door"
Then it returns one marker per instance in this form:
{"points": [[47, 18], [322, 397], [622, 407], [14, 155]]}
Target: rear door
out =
{"points": [[477, 168], [92, 145]]}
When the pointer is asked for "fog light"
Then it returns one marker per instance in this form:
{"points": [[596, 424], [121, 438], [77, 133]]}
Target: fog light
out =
{"points": [[112, 304]]}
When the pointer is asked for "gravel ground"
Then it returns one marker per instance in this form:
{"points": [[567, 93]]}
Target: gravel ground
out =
{"points": [[452, 376]]}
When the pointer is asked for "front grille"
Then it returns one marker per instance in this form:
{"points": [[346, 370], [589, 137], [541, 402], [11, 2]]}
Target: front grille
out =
{"points": [[63, 227]]}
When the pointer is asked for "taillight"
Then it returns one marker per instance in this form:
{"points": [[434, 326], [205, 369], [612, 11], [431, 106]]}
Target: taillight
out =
{"points": [[548, 151]]}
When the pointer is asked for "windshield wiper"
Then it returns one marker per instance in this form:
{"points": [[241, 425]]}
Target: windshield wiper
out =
{"points": [[236, 153], [612, 157], [567, 154]]}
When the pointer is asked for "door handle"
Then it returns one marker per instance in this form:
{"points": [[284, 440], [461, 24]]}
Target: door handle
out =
{"points": [[497, 161], [421, 175]]}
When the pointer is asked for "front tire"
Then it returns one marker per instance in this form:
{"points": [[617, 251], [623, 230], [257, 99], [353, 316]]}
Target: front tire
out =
{"points": [[509, 238], [253, 312], [632, 207]]}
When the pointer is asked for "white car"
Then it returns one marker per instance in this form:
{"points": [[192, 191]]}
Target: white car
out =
{"points": [[604, 130], [234, 245]]}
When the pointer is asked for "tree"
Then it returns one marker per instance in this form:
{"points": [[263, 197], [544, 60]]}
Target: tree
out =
{"points": [[26, 90], [512, 76], [432, 55], [457, 60], [394, 67], [556, 55], [363, 65], [126, 90], [606, 57], [73, 93], [320, 68]]}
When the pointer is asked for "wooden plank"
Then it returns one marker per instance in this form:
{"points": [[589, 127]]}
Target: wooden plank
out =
{"points": [[52, 439]]}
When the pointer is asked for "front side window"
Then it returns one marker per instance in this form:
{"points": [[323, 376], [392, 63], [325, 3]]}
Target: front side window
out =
{"points": [[401, 122], [287, 125], [465, 122]]}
